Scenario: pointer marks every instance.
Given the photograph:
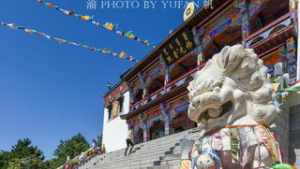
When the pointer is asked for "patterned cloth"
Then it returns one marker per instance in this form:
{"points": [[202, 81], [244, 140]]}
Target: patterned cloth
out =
{"points": [[185, 164], [237, 146]]}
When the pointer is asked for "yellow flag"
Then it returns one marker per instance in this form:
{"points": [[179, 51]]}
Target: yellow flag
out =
{"points": [[85, 17], [109, 26]]}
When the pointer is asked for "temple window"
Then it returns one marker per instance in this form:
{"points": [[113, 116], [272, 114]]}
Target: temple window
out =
{"points": [[121, 101], [136, 91], [139, 95], [266, 13], [155, 84], [109, 108], [183, 67]]}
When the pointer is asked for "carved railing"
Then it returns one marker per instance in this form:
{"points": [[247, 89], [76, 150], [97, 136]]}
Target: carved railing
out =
{"points": [[262, 34]]}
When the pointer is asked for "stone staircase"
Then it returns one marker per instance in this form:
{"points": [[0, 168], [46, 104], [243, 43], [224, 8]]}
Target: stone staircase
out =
{"points": [[162, 153]]}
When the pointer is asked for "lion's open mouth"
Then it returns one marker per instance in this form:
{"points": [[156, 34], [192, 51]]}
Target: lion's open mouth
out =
{"points": [[215, 113]]}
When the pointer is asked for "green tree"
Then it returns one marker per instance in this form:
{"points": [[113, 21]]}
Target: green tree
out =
{"points": [[23, 155], [14, 164], [4, 159], [69, 148]]}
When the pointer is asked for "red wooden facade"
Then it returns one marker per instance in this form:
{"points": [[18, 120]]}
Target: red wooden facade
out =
{"points": [[158, 104]]}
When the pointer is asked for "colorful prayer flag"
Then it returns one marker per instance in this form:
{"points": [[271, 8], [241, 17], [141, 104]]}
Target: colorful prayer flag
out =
{"points": [[13, 26], [50, 5], [130, 35], [60, 40], [109, 26], [30, 31], [85, 17], [122, 55], [66, 12], [96, 23]]}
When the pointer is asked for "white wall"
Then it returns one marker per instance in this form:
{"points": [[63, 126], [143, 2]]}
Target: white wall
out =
{"points": [[115, 131], [126, 104]]}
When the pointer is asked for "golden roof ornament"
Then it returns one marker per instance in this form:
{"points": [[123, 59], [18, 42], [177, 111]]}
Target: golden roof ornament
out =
{"points": [[189, 11]]}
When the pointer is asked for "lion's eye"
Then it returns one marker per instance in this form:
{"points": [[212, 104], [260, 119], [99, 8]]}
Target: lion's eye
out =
{"points": [[217, 89], [218, 84]]}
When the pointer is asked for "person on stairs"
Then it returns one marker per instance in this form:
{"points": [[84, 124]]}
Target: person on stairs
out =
{"points": [[129, 142]]}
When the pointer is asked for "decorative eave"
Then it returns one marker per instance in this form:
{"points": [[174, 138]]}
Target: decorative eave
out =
{"points": [[112, 89], [115, 93], [200, 16]]}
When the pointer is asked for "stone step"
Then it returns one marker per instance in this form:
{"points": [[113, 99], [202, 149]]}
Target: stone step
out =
{"points": [[162, 153]]}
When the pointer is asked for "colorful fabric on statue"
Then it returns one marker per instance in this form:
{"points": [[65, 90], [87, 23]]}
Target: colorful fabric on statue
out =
{"points": [[221, 140], [215, 156], [204, 161], [185, 164], [282, 166], [193, 163], [266, 137], [235, 144], [217, 142], [195, 153], [240, 141]]}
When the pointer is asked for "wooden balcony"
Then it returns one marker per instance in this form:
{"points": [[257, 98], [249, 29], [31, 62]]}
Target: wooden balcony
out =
{"points": [[173, 87], [270, 31]]}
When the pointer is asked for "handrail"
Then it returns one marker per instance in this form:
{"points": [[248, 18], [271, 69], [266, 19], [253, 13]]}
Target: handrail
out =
{"points": [[265, 28], [262, 55], [268, 39]]}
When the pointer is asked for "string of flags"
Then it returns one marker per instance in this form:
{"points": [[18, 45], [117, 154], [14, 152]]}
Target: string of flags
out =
{"points": [[105, 25], [59, 40]]}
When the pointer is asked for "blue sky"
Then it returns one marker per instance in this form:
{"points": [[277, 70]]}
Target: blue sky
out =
{"points": [[50, 92]]}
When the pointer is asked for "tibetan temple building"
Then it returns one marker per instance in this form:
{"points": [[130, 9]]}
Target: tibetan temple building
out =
{"points": [[151, 98]]}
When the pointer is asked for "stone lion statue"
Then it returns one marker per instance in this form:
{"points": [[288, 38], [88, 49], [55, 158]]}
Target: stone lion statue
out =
{"points": [[231, 101]]}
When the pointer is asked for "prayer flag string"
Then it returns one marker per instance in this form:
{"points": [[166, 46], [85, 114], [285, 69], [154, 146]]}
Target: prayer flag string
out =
{"points": [[105, 25], [122, 55]]}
